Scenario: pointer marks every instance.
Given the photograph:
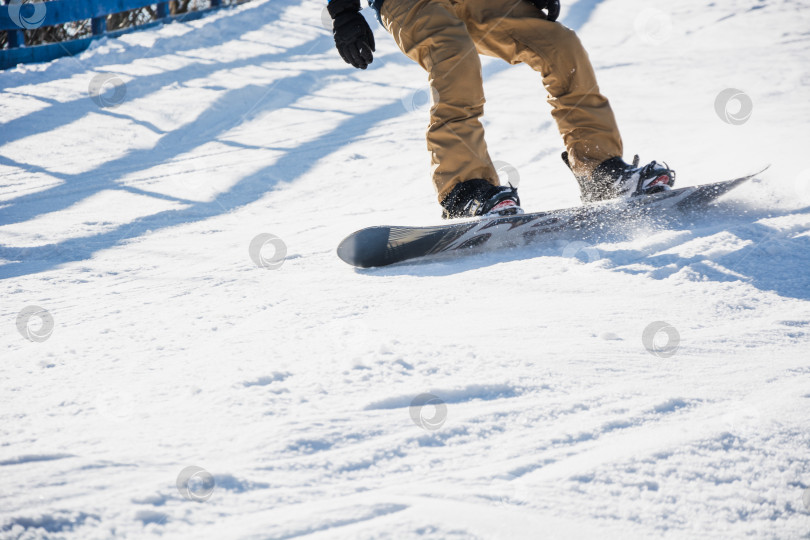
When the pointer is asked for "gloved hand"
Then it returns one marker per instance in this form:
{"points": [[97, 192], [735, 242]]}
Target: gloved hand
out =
{"points": [[552, 7], [353, 36]]}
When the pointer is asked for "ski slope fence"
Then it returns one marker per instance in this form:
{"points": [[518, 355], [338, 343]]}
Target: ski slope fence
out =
{"points": [[21, 15]]}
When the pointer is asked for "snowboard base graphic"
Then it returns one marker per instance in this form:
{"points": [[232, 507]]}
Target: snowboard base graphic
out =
{"points": [[384, 245]]}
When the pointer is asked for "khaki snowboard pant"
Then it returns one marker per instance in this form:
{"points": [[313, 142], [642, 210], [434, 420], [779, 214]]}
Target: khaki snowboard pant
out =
{"points": [[445, 38]]}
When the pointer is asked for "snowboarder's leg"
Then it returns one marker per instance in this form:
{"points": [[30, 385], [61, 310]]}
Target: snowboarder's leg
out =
{"points": [[516, 31], [430, 33]]}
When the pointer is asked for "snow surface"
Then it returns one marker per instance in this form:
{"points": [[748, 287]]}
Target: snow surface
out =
{"points": [[291, 387]]}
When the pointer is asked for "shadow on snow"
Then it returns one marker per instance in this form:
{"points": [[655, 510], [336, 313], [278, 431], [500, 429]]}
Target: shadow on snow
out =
{"points": [[767, 258], [220, 117]]}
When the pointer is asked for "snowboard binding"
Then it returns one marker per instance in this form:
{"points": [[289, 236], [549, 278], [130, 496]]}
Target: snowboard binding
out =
{"points": [[614, 178]]}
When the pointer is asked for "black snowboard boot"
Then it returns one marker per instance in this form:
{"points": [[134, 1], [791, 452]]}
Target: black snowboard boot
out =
{"points": [[615, 178], [480, 198]]}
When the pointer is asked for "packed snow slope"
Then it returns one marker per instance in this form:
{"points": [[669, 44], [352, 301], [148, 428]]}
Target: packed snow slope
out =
{"points": [[126, 216]]}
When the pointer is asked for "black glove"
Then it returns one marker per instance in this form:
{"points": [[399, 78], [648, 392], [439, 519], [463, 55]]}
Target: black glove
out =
{"points": [[551, 6], [353, 37]]}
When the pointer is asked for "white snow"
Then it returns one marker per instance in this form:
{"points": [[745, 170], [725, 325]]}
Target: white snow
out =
{"points": [[291, 387]]}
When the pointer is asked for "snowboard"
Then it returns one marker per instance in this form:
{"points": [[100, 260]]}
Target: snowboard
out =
{"points": [[384, 245]]}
